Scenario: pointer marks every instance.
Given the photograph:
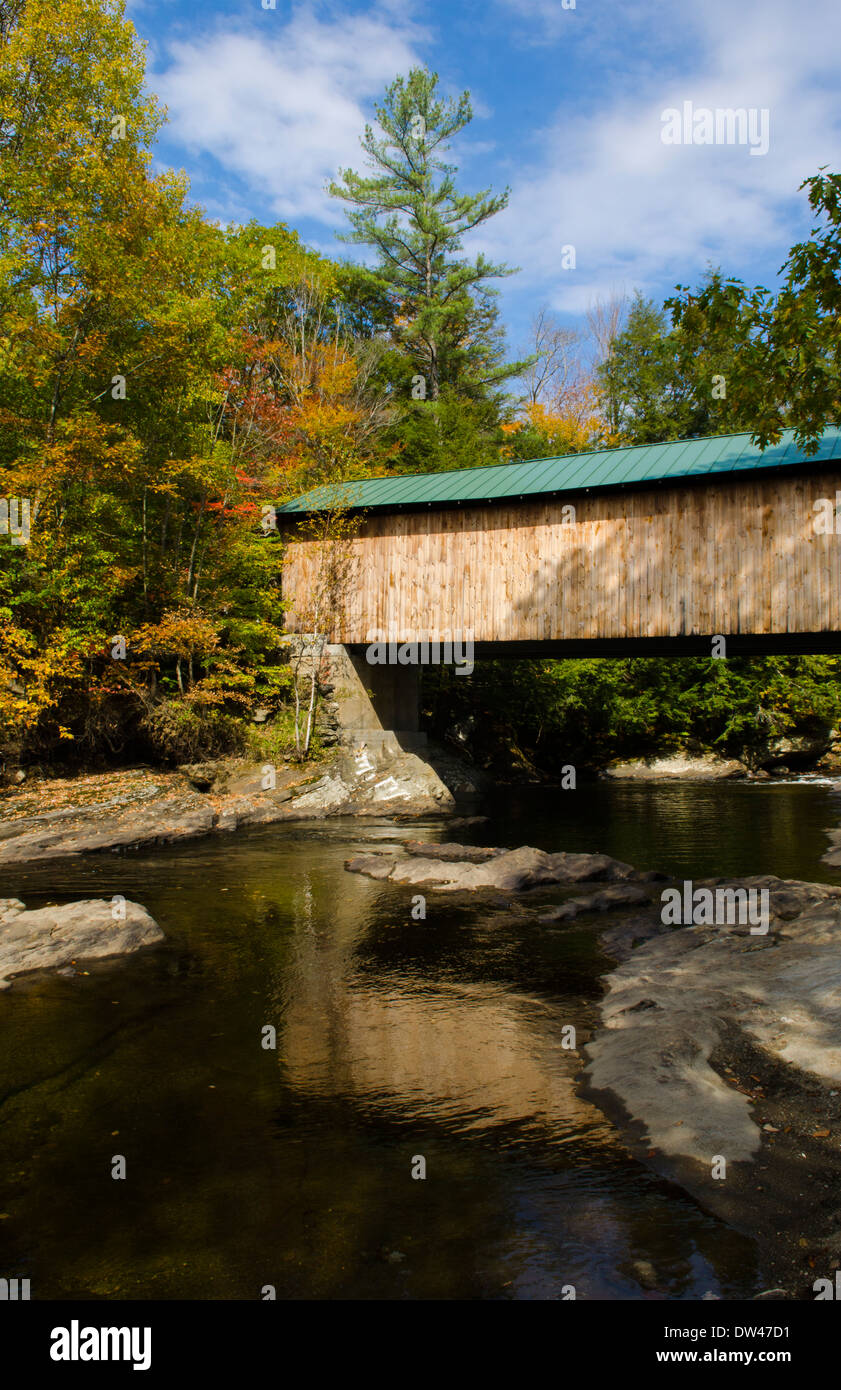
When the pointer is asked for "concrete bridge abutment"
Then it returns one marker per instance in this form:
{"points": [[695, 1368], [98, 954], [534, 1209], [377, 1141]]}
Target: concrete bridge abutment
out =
{"points": [[363, 703]]}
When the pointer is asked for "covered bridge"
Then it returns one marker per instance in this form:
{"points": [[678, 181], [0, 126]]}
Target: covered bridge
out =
{"points": [[650, 545], [650, 549]]}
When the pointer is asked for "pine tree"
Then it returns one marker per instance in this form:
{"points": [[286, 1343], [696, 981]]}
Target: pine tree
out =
{"points": [[410, 211]]}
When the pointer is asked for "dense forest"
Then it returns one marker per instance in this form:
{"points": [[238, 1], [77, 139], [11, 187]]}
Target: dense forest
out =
{"points": [[164, 379]]}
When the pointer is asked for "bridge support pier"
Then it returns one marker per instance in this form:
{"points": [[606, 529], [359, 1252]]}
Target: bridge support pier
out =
{"points": [[374, 703]]}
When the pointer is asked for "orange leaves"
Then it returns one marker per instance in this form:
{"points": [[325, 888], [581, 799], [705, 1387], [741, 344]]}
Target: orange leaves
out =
{"points": [[87, 449], [291, 401], [182, 632]]}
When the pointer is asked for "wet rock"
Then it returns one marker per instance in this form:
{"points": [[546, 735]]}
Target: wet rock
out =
{"points": [[706, 767], [512, 871], [564, 912], [471, 854], [781, 989], [620, 941], [49, 937], [645, 1273], [605, 900], [372, 865]]}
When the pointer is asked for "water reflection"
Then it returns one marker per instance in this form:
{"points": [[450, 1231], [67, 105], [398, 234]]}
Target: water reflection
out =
{"points": [[395, 1038]]}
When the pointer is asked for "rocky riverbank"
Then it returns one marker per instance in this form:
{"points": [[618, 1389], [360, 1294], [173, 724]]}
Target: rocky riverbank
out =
{"points": [[720, 1056], [783, 757], [132, 808], [719, 1051]]}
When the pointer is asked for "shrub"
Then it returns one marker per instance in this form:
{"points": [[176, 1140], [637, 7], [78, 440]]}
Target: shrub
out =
{"points": [[185, 733]]}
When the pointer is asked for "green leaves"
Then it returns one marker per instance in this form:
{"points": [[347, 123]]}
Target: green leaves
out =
{"points": [[660, 384], [605, 708], [785, 348]]}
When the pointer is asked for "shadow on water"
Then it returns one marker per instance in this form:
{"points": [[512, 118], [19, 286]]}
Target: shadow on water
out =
{"points": [[396, 1039]]}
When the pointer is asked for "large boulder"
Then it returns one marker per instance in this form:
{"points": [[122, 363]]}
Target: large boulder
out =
{"points": [[53, 936], [794, 750]]}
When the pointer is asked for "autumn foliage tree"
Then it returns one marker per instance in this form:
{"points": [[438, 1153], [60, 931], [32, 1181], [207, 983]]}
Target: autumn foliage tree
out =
{"points": [[161, 380]]}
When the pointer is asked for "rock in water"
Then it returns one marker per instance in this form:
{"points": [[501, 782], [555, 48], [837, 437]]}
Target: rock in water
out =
{"points": [[51, 936], [706, 767], [507, 871], [669, 1003], [606, 900], [468, 854]]}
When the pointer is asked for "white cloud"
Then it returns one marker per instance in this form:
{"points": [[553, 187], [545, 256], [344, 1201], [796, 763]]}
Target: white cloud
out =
{"points": [[283, 104], [640, 212], [280, 105]]}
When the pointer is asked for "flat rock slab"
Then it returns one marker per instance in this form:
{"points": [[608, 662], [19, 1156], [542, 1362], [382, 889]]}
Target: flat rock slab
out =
{"points": [[49, 937], [84, 834], [605, 900], [707, 767], [511, 871], [669, 1003], [135, 808], [372, 865], [467, 854]]}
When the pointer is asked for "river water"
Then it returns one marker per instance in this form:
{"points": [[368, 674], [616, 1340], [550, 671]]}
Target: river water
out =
{"points": [[397, 1040]]}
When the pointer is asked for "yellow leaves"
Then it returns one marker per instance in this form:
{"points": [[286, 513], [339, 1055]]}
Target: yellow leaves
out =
{"points": [[574, 425], [29, 675], [181, 632]]}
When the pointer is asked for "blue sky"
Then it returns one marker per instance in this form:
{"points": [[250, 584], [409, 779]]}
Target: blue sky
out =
{"points": [[266, 105]]}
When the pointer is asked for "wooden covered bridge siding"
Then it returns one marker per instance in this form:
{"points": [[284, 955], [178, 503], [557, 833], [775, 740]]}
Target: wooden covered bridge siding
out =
{"points": [[734, 556]]}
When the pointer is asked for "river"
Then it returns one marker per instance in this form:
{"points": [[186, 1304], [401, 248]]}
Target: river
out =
{"points": [[249, 1167]]}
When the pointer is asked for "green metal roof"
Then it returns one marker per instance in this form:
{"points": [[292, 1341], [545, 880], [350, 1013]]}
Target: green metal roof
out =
{"points": [[601, 468]]}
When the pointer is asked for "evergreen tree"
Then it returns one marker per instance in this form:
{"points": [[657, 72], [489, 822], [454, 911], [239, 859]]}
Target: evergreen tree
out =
{"points": [[411, 213]]}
